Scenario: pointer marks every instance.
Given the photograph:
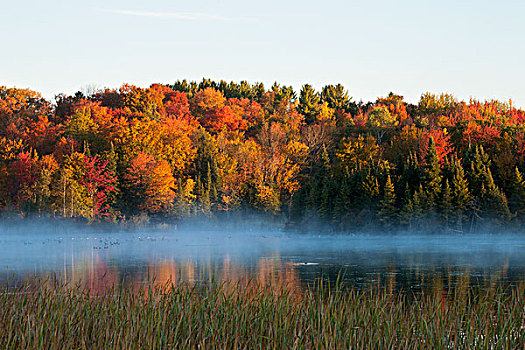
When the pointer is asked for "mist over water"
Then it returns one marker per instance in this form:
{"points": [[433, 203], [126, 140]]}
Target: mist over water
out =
{"points": [[197, 254]]}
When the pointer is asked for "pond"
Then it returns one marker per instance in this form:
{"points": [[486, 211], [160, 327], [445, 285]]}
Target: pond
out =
{"points": [[407, 262]]}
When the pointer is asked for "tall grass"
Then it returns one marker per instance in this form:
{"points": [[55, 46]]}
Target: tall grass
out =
{"points": [[50, 315]]}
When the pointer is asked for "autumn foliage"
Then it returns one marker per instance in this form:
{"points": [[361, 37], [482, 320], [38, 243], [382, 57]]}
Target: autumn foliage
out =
{"points": [[214, 148]]}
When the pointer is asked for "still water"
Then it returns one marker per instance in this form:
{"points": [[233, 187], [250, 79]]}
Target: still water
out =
{"points": [[407, 262]]}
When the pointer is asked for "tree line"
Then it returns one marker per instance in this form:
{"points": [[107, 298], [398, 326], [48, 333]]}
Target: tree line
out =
{"points": [[216, 148]]}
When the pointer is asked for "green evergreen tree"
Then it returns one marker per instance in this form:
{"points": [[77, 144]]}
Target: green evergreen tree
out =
{"points": [[342, 200], [282, 94], [410, 177], [336, 97], [317, 190], [206, 202], [413, 211], [370, 187], [309, 103], [189, 88], [314, 195], [388, 210], [324, 183], [446, 207], [477, 164], [325, 206], [418, 209], [206, 157], [431, 177], [494, 203], [206, 170], [299, 205], [183, 203], [405, 212], [258, 91], [447, 168], [368, 198], [203, 198], [461, 197], [517, 198]]}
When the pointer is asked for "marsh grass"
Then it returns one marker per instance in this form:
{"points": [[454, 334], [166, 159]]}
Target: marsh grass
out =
{"points": [[50, 314]]}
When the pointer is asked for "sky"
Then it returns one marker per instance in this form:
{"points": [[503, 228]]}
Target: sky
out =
{"points": [[467, 48]]}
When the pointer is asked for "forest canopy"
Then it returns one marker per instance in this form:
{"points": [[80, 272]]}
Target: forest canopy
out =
{"points": [[213, 148]]}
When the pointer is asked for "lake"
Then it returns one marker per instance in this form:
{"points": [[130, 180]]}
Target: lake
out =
{"points": [[407, 262]]}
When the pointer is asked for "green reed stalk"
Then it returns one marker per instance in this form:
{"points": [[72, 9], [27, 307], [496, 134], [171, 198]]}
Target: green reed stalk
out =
{"points": [[50, 315]]}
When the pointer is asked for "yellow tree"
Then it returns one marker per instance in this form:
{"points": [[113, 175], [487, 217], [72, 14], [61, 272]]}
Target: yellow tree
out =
{"points": [[148, 185], [380, 119], [47, 167], [71, 197], [160, 191]]}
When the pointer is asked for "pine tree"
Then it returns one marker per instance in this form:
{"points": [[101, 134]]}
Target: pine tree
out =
{"points": [[388, 210], [299, 205], [203, 198], [461, 197], [493, 201], [370, 188], [477, 164], [517, 198], [446, 207], [354, 186], [325, 206], [184, 199], [206, 158], [412, 212], [368, 197], [410, 177], [447, 168], [431, 176], [206, 203], [482, 185], [406, 208], [324, 182], [309, 103], [314, 194], [418, 210], [316, 202], [336, 97], [341, 204]]}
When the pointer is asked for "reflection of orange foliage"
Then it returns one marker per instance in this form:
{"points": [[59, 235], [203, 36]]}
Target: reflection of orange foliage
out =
{"points": [[101, 277], [95, 275], [269, 273], [163, 274], [278, 275]]}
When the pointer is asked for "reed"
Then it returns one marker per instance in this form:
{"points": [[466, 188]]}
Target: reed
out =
{"points": [[51, 315]]}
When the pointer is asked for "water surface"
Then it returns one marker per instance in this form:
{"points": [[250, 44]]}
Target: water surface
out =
{"points": [[406, 262]]}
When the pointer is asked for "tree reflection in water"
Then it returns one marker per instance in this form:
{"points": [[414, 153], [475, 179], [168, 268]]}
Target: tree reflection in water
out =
{"points": [[97, 274]]}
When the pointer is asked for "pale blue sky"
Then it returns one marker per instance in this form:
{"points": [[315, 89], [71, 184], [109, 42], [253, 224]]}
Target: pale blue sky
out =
{"points": [[468, 48]]}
